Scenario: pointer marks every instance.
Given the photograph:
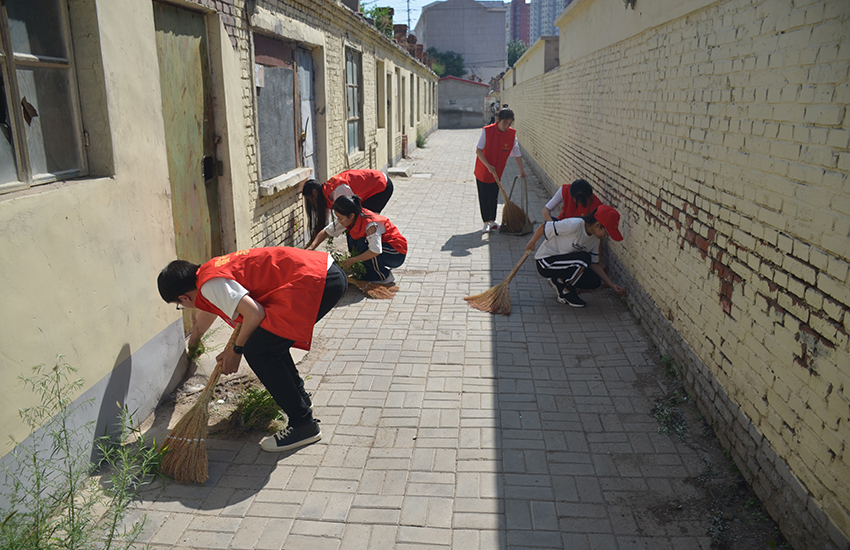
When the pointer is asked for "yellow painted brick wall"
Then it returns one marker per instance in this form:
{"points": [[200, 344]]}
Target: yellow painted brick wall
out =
{"points": [[722, 138]]}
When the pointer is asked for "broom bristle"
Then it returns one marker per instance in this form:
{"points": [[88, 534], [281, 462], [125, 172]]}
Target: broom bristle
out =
{"points": [[494, 300], [498, 298], [375, 291], [513, 218], [186, 456]]}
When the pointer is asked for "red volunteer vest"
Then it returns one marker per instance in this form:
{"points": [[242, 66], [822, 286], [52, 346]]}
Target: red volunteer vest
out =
{"points": [[572, 209], [287, 282], [497, 149], [364, 183], [391, 236]]}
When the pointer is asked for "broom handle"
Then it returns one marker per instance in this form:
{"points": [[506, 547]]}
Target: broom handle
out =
{"points": [[502, 189], [516, 267], [216, 373]]}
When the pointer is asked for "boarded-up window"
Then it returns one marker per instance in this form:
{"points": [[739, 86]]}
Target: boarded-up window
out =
{"points": [[278, 125]]}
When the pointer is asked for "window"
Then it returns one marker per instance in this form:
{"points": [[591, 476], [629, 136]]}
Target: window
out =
{"points": [[283, 73], [354, 99], [381, 104], [42, 139]]}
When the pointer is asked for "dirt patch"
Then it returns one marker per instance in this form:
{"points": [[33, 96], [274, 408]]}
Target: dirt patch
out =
{"points": [[720, 499]]}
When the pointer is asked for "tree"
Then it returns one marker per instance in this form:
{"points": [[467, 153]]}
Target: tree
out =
{"points": [[383, 17], [451, 63], [515, 50]]}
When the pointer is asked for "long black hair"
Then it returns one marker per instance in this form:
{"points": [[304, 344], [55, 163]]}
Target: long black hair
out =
{"points": [[581, 192], [315, 203]]}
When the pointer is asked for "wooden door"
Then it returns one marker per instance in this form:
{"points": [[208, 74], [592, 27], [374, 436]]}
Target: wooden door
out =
{"points": [[189, 131]]}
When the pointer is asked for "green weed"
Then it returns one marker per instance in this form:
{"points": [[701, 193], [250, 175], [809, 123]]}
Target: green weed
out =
{"points": [[53, 500], [256, 410], [357, 269]]}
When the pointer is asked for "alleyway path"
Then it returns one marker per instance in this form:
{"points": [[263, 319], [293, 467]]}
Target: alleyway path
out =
{"points": [[446, 427]]}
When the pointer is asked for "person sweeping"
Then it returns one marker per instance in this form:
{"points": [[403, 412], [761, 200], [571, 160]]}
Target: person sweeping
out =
{"points": [[372, 239], [277, 295], [497, 143], [372, 186], [571, 246]]}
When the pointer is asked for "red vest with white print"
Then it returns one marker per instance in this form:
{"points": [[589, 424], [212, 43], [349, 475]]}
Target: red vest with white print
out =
{"points": [[364, 183], [287, 282], [497, 148], [391, 235]]}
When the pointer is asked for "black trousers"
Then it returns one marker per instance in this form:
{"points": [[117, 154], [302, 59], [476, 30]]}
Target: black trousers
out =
{"points": [[488, 198], [268, 356], [377, 202], [569, 271]]}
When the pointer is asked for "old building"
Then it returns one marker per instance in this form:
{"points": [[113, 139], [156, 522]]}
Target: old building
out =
{"points": [[475, 30], [463, 103], [184, 134]]}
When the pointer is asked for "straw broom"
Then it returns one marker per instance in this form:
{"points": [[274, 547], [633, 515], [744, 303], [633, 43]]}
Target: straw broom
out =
{"points": [[375, 291], [498, 298], [186, 456], [514, 219]]}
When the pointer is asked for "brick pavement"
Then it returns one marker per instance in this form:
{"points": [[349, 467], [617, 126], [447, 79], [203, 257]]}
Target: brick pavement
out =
{"points": [[446, 427]]}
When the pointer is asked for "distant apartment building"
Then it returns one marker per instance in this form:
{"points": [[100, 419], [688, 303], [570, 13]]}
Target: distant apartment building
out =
{"points": [[518, 21], [542, 15], [475, 30]]}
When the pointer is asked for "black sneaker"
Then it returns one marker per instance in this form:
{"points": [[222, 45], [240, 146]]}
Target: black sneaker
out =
{"points": [[572, 299], [291, 438]]}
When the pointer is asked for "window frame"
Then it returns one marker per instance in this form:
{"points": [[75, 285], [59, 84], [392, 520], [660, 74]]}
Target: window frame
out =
{"points": [[355, 88], [10, 62]]}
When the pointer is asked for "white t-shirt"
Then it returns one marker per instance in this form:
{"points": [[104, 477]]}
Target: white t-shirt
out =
{"points": [[224, 294], [335, 229], [343, 190], [567, 236], [482, 143], [555, 201]]}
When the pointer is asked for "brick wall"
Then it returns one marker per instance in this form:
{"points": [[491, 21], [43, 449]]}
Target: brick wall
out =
{"points": [[722, 137], [279, 219]]}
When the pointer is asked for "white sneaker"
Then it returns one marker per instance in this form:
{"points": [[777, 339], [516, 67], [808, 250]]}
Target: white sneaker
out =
{"points": [[486, 227], [389, 280]]}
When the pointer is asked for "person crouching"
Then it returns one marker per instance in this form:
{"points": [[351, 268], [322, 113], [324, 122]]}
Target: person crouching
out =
{"points": [[571, 246]]}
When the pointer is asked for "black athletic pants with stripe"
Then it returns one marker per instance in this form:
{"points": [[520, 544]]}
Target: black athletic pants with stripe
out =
{"points": [[569, 272]]}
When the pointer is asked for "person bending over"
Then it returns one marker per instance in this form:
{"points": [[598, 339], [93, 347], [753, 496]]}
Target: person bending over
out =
{"points": [[372, 186], [278, 294], [576, 198], [571, 246], [372, 239]]}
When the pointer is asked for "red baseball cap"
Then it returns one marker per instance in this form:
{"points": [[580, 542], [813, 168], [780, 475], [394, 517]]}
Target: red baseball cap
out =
{"points": [[610, 220]]}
